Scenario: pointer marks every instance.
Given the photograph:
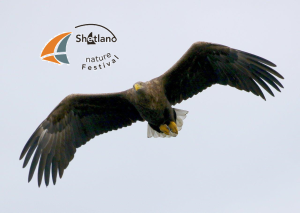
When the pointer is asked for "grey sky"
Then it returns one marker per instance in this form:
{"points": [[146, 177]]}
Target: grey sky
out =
{"points": [[235, 153]]}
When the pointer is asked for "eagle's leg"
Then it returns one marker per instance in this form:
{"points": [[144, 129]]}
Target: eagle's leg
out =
{"points": [[164, 128], [173, 127]]}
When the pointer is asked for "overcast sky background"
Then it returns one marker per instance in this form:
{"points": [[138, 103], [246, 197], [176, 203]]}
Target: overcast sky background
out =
{"points": [[235, 153]]}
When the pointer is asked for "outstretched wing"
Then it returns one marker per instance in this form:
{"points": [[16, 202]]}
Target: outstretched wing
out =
{"points": [[205, 64], [76, 120]]}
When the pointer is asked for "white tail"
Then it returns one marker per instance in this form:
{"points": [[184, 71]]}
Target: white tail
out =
{"points": [[180, 116]]}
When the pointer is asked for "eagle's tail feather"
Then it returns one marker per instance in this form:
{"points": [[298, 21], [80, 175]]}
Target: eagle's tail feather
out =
{"points": [[180, 116]]}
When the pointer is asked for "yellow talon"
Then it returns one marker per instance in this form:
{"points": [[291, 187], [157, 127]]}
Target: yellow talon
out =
{"points": [[164, 128], [173, 127]]}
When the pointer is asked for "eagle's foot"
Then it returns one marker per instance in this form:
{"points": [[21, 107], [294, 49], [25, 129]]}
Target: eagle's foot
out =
{"points": [[164, 128], [173, 127]]}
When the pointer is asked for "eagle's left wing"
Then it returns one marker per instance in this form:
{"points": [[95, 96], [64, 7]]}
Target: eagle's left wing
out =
{"points": [[205, 64]]}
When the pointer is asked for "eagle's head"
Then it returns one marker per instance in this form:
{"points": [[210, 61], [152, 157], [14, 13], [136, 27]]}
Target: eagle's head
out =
{"points": [[139, 87]]}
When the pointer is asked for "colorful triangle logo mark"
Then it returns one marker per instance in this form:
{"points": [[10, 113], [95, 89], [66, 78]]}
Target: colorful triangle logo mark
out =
{"points": [[55, 49]]}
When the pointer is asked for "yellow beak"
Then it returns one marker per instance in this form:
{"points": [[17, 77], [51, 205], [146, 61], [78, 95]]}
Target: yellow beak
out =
{"points": [[137, 87]]}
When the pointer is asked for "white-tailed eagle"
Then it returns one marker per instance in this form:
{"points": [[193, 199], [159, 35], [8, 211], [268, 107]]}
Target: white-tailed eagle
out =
{"points": [[80, 117]]}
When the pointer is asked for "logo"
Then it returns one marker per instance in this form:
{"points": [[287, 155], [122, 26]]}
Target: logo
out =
{"points": [[92, 57], [55, 49]]}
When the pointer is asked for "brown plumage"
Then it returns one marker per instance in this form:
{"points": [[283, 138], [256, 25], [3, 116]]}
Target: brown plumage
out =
{"points": [[80, 117]]}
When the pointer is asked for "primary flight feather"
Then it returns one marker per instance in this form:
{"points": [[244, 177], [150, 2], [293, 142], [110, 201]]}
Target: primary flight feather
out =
{"points": [[80, 117]]}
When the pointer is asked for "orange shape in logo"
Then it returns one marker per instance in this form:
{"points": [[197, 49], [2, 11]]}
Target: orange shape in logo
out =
{"points": [[51, 58], [50, 47]]}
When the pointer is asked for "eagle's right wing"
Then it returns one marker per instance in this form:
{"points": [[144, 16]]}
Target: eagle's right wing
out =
{"points": [[76, 120]]}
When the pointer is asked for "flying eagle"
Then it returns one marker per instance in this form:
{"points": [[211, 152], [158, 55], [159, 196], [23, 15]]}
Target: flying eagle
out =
{"points": [[80, 117]]}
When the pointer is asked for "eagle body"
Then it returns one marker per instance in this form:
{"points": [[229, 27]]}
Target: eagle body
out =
{"points": [[80, 117], [153, 105]]}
